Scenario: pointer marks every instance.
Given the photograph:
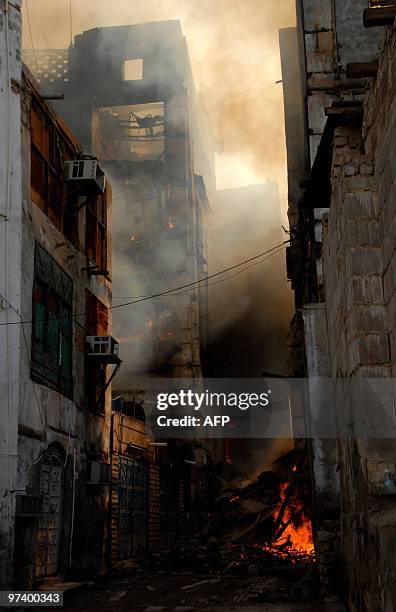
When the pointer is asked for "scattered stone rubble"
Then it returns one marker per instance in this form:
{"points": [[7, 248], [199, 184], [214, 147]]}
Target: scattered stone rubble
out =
{"points": [[234, 540]]}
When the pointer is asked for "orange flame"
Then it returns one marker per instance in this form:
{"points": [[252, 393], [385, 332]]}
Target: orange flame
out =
{"points": [[167, 335], [298, 537]]}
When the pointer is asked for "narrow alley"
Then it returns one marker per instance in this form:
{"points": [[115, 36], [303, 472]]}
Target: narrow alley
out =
{"points": [[198, 305]]}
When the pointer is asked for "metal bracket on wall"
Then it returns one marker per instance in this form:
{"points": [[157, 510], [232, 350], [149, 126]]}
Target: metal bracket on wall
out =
{"points": [[95, 271]]}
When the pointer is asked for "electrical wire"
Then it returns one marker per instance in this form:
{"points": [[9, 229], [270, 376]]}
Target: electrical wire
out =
{"points": [[5, 217], [168, 291], [31, 37], [223, 280], [71, 21], [30, 365]]}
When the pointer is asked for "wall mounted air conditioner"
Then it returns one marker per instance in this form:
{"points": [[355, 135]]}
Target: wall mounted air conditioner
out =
{"points": [[29, 505], [86, 171], [102, 347]]}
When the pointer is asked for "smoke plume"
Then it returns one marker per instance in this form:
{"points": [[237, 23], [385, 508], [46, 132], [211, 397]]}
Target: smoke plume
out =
{"points": [[234, 53]]}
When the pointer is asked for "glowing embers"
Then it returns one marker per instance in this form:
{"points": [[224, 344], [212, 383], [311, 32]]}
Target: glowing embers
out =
{"points": [[153, 335], [160, 329]]}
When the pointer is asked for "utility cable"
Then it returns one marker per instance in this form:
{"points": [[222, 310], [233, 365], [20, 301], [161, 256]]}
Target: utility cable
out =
{"points": [[223, 280], [31, 37], [71, 21], [29, 363], [168, 291]]}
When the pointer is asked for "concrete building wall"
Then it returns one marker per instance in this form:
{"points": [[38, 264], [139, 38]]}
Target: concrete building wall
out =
{"points": [[161, 177], [47, 418], [344, 251], [50, 512], [295, 118], [334, 36], [11, 341], [359, 247], [322, 451]]}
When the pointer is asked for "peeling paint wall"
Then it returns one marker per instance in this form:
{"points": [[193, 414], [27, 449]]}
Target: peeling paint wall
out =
{"points": [[49, 430], [11, 341]]}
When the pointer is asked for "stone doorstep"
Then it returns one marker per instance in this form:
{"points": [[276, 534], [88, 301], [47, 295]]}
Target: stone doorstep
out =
{"points": [[50, 584]]}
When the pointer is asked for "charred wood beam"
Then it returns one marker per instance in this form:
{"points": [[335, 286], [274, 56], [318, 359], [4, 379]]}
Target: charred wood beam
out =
{"points": [[285, 525], [289, 491], [54, 96], [344, 110], [362, 69], [351, 85], [264, 514], [379, 16]]}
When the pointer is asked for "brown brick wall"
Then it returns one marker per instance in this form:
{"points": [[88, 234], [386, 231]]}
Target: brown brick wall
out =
{"points": [[154, 508]]}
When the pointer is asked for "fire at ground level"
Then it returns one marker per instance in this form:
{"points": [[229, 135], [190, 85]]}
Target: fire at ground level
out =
{"points": [[252, 549]]}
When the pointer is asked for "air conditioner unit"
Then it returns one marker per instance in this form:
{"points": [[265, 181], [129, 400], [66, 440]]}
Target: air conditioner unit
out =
{"points": [[97, 473], [86, 171], [29, 505], [104, 347]]}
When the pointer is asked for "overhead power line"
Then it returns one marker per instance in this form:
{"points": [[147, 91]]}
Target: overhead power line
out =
{"points": [[31, 37], [218, 282], [168, 291], [71, 21]]}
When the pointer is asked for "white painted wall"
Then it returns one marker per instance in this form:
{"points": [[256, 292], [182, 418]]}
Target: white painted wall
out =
{"points": [[10, 265]]}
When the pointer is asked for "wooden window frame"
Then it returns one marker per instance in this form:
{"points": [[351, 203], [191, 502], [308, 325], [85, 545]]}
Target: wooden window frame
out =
{"points": [[55, 203], [96, 230], [48, 364], [97, 324]]}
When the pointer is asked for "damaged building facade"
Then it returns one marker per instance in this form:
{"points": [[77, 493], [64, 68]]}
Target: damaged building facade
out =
{"points": [[55, 295], [340, 132], [131, 99]]}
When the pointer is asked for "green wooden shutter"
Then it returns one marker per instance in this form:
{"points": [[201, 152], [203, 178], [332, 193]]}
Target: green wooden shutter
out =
{"points": [[52, 337]]}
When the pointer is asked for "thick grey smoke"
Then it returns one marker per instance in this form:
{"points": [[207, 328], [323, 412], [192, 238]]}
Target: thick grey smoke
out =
{"points": [[250, 311], [234, 52]]}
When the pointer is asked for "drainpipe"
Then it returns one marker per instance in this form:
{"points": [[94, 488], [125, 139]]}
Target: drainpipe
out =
{"points": [[73, 507]]}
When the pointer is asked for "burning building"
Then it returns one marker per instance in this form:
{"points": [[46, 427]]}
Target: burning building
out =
{"points": [[339, 88], [55, 404], [131, 98]]}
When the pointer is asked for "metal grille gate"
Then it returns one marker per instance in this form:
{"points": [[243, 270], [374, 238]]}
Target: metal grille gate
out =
{"points": [[51, 478], [132, 507], [169, 508]]}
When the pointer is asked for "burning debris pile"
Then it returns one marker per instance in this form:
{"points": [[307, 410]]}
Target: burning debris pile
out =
{"points": [[256, 536], [263, 525]]}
